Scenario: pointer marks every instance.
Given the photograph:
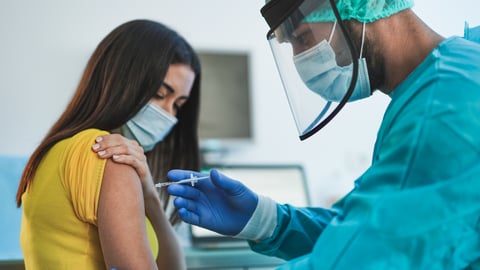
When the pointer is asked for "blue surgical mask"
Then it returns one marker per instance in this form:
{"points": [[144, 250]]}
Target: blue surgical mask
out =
{"points": [[149, 126], [319, 71]]}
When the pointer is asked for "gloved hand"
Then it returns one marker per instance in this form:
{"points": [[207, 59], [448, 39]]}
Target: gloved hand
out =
{"points": [[219, 204]]}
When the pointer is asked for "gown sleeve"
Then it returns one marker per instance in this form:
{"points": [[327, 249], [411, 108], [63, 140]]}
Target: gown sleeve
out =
{"points": [[296, 231]]}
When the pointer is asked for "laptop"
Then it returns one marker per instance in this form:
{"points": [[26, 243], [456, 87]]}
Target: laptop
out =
{"points": [[282, 183]]}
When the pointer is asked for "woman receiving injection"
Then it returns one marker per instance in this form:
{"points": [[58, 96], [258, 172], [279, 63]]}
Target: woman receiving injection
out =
{"points": [[88, 198]]}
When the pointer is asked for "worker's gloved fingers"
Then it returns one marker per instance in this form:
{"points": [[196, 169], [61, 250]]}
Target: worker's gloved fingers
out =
{"points": [[182, 203], [184, 191], [229, 185], [234, 188], [176, 175], [223, 181], [221, 204], [189, 217]]}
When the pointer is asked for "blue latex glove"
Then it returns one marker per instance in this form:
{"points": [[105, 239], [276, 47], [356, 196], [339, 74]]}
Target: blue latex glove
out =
{"points": [[219, 204]]}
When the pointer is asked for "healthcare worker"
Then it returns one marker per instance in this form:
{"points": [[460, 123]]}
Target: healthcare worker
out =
{"points": [[417, 206]]}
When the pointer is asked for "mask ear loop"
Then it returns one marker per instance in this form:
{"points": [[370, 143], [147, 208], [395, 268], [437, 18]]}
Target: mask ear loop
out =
{"points": [[333, 31], [363, 41]]}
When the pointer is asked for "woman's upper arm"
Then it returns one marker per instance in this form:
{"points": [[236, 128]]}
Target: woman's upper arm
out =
{"points": [[121, 220]]}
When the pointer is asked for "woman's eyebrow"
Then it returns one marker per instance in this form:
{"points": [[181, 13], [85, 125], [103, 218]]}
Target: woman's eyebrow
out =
{"points": [[169, 87], [171, 90]]}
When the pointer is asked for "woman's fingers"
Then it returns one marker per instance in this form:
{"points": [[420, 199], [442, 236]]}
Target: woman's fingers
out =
{"points": [[122, 150], [109, 145]]}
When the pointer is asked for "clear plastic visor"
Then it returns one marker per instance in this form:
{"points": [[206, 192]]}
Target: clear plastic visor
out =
{"points": [[315, 65]]}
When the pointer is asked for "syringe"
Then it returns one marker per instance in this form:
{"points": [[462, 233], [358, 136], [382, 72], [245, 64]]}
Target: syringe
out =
{"points": [[192, 180]]}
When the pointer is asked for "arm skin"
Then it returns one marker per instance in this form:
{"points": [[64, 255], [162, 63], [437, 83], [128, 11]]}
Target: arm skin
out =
{"points": [[121, 221], [123, 206], [170, 254]]}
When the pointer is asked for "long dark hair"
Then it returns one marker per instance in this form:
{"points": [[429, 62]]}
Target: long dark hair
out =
{"points": [[124, 72]]}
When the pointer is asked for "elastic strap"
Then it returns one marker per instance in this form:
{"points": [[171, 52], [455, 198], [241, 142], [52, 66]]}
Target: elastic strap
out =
{"points": [[333, 31], [363, 40]]}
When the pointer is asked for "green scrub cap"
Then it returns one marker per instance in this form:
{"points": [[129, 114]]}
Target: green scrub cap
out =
{"points": [[361, 10]]}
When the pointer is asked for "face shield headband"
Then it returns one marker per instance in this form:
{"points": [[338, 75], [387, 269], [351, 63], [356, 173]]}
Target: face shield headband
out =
{"points": [[285, 18]]}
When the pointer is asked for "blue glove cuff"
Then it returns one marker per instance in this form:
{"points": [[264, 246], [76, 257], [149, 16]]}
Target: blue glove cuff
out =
{"points": [[263, 221]]}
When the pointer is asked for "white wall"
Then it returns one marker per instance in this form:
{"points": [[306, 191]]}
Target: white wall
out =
{"points": [[45, 44]]}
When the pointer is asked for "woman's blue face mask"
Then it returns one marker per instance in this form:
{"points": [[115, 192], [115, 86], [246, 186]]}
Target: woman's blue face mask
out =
{"points": [[149, 126]]}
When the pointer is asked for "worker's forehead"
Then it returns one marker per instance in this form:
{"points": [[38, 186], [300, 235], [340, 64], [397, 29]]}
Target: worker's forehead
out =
{"points": [[285, 33], [323, 27]]}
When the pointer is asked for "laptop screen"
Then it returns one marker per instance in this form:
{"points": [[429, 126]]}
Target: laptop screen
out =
{"points": [[282, 183]]}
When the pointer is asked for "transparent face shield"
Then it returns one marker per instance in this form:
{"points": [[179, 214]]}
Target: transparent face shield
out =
{"points": [[314, 59]]}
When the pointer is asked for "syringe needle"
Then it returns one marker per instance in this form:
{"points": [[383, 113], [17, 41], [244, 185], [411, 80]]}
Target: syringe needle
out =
{"points": [[191, 181]]}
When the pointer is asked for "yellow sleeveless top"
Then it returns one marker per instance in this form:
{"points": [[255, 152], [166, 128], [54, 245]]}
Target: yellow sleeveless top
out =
{"points": [[59, 220]]}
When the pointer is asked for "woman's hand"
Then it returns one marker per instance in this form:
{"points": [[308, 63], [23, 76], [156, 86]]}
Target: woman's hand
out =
{"points": [[126, 151]]}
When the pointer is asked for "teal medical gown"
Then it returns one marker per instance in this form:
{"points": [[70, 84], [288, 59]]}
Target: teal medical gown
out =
{"points": [[418, 205]]}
